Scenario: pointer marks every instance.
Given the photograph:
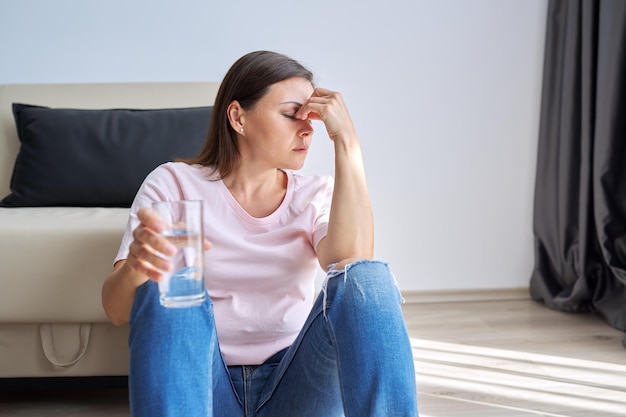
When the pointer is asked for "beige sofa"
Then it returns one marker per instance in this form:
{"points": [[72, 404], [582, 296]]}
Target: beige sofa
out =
{"points": [[53, 259]]}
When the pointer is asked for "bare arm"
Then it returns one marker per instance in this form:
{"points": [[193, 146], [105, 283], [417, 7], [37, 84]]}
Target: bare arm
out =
{"points": [[143, 263], [118, 293], [351, 225]]}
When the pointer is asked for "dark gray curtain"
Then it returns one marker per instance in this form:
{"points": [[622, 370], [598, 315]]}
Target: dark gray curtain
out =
{"points": [[580, 190]]}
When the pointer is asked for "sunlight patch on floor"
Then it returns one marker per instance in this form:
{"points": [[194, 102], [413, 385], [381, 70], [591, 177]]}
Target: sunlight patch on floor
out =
{"points": [[539, 384]]}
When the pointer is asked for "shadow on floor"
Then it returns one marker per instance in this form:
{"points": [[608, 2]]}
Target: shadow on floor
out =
{"points": [[67, 397]]}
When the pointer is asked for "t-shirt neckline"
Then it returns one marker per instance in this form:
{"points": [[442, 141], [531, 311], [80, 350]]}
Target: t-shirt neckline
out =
{"points": [[244, 215]]}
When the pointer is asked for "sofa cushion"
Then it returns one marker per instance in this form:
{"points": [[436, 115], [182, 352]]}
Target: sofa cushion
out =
{"points": [[54, 260], [96, 158]]}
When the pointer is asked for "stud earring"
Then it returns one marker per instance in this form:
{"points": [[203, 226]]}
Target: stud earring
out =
{"points": [[241, 129]]}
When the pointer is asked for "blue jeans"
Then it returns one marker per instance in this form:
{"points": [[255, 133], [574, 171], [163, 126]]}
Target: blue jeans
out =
{"points": [[352, 358]]}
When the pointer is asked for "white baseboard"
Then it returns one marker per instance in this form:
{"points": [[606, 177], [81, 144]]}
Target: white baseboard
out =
{"points": [[455, 296]]}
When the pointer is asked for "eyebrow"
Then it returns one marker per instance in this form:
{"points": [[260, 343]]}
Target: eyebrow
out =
{"points": [[292, 102]]}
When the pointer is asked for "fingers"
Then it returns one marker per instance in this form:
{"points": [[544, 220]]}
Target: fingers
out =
{"points": [[315, 105], [329, 107], [147, 263], [149, 251], [321, 92], [147, 233], [151, 219], [307, 114]]}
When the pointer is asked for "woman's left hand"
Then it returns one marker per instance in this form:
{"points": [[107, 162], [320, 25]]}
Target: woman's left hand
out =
{"points": [[329, 107], [350, 226]]}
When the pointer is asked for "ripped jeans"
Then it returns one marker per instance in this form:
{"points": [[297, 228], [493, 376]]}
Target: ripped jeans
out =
{"points": [[352, 358]]}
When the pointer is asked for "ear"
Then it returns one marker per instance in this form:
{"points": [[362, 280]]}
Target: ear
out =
{"points": [[236, 115]]}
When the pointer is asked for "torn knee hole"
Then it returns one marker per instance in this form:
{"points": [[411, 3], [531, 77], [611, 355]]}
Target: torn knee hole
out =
{"points": [[342, 264]]}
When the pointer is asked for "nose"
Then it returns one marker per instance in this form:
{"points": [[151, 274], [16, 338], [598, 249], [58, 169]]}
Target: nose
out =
{"points": [[306, 128]]}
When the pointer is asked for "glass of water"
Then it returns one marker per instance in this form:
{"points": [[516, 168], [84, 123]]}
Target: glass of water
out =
{"points": [[183, 285]]}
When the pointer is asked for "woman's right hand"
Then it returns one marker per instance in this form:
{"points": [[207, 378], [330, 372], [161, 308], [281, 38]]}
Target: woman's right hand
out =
{"points": [[146, 260], [148, 249], [141, 264]]}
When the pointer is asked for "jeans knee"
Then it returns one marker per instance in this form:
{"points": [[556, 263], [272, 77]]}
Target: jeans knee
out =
{"points": [[148, 316], [368, 283]]}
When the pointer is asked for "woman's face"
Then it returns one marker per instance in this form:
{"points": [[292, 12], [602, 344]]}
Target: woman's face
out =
{"points": [[272, 137]]}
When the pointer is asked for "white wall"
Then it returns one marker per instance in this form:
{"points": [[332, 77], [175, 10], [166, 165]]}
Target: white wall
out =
{"points": [[445, 95]]}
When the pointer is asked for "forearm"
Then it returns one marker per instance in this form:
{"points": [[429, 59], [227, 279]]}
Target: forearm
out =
{"points": [[351, 224], [118, 293]]}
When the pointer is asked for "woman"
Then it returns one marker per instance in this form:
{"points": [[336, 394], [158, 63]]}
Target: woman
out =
{"points": [[261, 345]]}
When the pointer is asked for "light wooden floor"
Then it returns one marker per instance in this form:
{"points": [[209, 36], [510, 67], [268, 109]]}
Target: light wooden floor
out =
{"points": [[511, 358], [515, 358]]}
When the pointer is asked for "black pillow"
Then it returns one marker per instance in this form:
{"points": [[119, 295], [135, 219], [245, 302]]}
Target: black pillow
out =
{"points": [[97, 158]]}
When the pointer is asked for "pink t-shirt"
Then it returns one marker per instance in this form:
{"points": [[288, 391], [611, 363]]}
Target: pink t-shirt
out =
{"points": [[260, 272]]}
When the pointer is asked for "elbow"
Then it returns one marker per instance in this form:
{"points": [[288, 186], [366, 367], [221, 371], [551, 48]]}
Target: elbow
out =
{"points": [[118, 321], [114, 316], [368, 251], [330, 252], [345, 259], [364, 251], [113, 310]]}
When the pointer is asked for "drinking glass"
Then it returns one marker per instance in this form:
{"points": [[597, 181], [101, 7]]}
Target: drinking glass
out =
{"points": [[183, 285]]}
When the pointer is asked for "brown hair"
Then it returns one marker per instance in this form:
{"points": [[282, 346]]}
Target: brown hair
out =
{"points": [[247, 81]]}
